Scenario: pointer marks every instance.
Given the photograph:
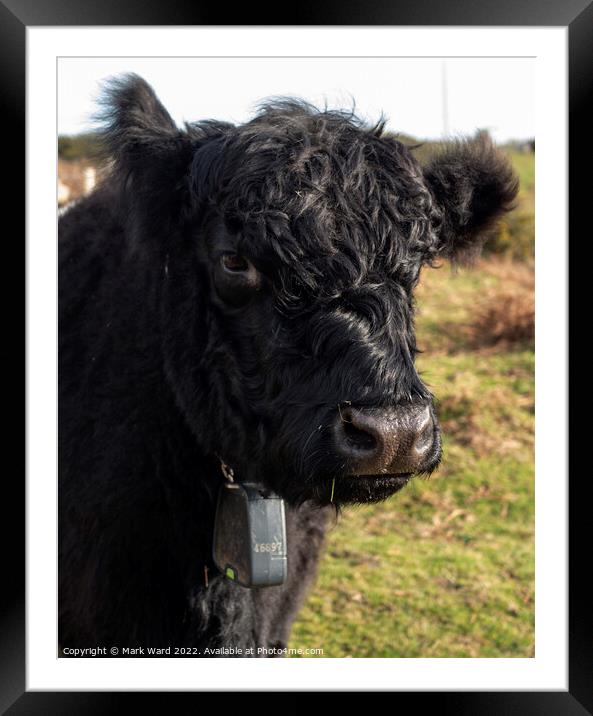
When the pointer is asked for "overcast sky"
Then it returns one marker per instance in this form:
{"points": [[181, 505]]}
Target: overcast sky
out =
{"points": [[497, 94]]}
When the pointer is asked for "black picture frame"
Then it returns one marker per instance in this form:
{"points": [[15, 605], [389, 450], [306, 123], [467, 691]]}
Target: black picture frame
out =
{"points": [[577, 15]]}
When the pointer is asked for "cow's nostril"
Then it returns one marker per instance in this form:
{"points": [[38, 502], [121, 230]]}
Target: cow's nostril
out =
{"points": [[358, 439]]}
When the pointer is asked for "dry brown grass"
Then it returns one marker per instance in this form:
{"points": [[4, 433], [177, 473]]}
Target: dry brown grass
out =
{"points": [[71, 173], [506, 313], [488, 307]]}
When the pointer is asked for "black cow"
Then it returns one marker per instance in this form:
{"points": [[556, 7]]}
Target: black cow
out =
{"points": [[241, 294]]}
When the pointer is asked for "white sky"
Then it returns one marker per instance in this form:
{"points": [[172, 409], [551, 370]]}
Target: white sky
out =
{"points": [[492, 93]]}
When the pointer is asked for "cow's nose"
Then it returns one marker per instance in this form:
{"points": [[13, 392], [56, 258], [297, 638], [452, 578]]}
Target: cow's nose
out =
{"points": [[384, 440]]}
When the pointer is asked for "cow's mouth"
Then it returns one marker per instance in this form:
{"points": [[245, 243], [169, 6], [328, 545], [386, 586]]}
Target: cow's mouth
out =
{"points": [[398, 475], [354, 488]]}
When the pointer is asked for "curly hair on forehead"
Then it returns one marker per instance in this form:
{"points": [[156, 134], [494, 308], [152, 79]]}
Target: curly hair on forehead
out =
{"points": [[328, 195]]}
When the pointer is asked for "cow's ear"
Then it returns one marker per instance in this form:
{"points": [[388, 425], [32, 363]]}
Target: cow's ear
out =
{"points": [[140, 139], [473, 184]]}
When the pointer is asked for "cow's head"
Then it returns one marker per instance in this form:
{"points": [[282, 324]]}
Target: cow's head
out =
{"points": [[288, 251]]}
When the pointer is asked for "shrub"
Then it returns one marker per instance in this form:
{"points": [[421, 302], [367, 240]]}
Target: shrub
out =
{"points": [[507, 313]]}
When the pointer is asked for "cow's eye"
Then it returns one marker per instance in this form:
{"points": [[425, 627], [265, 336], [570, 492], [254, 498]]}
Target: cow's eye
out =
{"points": [[236, 279], [235, 263]]}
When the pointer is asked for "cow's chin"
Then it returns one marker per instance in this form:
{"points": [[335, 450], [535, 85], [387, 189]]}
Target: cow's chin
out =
{"points": [[342, 490], [362, 489]]}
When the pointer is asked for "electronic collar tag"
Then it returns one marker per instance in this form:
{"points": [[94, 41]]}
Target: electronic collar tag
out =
{"points": [[250, 535]]}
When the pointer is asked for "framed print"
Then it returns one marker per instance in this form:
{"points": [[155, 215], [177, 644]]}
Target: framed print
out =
{"points": [[211, 480]]}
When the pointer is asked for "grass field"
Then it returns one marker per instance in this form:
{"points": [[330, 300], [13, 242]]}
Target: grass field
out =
{"points": [[446, 567]]}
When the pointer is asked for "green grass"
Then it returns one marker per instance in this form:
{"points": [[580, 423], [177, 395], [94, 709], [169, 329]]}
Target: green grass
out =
{"points": [[445, 568], [525, 166]]}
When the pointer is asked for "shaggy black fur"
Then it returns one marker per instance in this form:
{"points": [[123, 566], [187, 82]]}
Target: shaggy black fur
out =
{"points": [[222, 294]]}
